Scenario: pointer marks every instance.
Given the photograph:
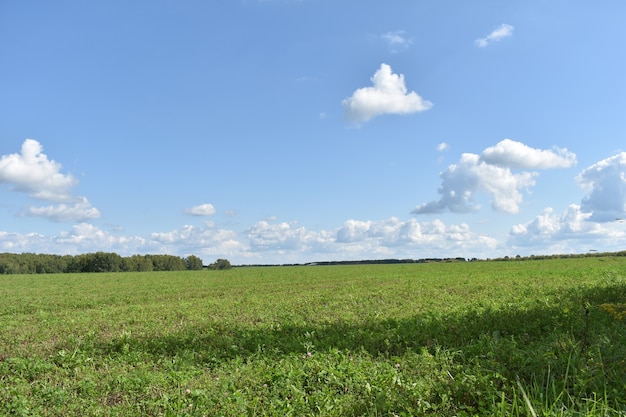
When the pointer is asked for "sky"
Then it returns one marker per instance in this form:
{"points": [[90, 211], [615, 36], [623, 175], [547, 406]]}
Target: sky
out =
{"points": [[293, 131]]}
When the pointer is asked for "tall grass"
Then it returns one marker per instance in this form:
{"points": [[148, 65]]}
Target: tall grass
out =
{"points": [[486, 338]]}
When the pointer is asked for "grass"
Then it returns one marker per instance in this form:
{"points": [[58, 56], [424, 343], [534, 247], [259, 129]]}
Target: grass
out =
{"points": [[511, 338]]}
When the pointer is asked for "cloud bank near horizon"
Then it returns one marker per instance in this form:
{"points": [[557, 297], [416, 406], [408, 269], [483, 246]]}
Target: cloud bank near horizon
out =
{"points": [[592, 221]]}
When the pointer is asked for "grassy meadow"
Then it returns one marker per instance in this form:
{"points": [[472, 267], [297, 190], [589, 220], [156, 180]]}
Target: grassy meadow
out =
{"points": [[515, 338]]}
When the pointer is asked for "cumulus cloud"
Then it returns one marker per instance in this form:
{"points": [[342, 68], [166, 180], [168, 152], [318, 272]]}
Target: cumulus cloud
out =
{"points": [[79, 211], [281, 236], [33, 173], [397, 40], [605, 182], [201, 210], [23, 242], [596, 222], [205, 240], [512, 154], [491, 173], [498, 33], [368, 239], [394, 236], [461, 181], [388, 95], [567, 232], [201, 240]]}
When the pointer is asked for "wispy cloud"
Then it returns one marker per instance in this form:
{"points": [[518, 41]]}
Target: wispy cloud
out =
{"points": [[388, 95], [80, 211], [491, 173], [498, 34], [397, 40]]}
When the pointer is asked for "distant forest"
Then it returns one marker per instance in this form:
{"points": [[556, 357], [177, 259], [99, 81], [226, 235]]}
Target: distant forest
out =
{"points": [[31, 263]]}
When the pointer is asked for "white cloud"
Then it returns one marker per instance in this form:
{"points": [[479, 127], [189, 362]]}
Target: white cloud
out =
{"points": [[264, 235], [606, 183], [512, 154], [461, 181], [397, 41], [395, 237], [33, 173], [442, 147], [368, 239], [85, 238], [200, 240], [595, 224], [491, 173], [23, 242], [388, 95], [499, 33], [567, 232], [201, 210], [79, 211]]}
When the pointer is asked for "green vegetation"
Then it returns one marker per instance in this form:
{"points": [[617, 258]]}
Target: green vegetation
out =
{"points": [[220, 264], [31, 263], [543, 338]]}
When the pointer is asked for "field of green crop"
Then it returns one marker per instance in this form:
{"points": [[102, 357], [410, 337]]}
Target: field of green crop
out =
{"points": [[521, 338]]}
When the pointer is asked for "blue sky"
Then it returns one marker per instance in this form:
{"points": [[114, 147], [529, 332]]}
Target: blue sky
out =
{"points": [[283, 131]]}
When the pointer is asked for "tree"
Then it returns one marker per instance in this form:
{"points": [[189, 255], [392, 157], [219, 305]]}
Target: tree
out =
{"points": [[138, 263], [102, 262], [193, 263], [220, 264], [167, 263]]}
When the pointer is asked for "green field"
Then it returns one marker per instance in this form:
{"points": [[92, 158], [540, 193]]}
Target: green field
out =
{"points": [[480, 338]]}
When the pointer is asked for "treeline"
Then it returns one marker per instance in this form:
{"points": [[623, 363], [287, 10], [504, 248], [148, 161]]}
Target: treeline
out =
{"points": [[591, 254], [388, 261], [31, 263]]}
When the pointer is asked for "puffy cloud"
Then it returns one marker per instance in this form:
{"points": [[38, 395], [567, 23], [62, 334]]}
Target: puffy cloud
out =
{"points": [[498, 33], [406, 238], [22, 242], [33, 173], [367, 239], [606, 183], [592, 223], [397, 41], [201, 210], [567, 232], [79, 211], [84, 238], [199, 240], [461, 181], [491, 173], [443, 147], [206, 240], [264, 235], [513, 154], [388, 95]]}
